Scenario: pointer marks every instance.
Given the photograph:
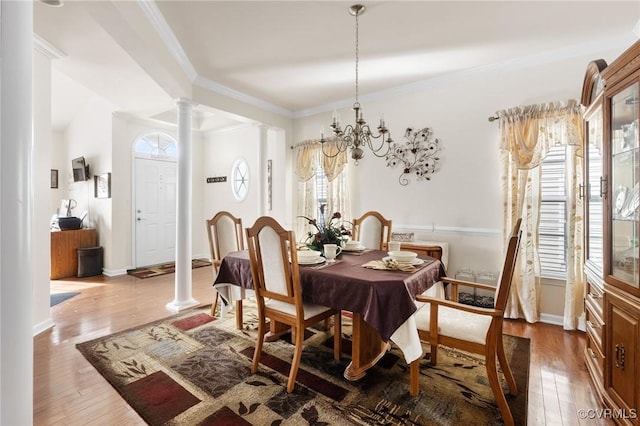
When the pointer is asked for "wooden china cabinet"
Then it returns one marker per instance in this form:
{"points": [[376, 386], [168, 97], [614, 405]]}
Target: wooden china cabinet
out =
{"points": [[611, 95]]}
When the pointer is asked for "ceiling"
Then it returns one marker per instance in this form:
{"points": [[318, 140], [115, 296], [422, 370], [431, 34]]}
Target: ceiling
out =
{"points": [[297, 58]]}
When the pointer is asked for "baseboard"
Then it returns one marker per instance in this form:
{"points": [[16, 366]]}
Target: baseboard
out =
{"points": [[552, 319], [43, 326], [114, 272]]}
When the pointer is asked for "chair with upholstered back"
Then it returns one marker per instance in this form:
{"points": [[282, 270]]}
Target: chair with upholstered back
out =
{"points": [[373, 230], [225, 236], [276, 281], [472, 329]]}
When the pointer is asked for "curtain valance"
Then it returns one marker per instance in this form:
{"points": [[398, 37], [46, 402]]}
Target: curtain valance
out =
{"points": [[527, 132]]}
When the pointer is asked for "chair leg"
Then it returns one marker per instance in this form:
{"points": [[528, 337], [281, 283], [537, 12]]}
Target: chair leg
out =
{"points": [[433, 344], [506, 369], [295, 363], [262, 328], [414, 381], [492, 374], [239, 314], [337, 336], [214, 306]]}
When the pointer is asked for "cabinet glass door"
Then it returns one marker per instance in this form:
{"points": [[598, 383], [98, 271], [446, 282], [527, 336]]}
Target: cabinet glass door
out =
{"points": [[624, 185], [594, 190]]}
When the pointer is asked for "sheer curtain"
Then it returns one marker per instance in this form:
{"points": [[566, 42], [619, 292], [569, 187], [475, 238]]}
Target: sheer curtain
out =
{"points": [[309, 160], [526, 134]]}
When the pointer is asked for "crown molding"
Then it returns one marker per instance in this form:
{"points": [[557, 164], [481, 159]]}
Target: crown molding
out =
{"points": [[213, 86], [47, 49], [160, 24]]}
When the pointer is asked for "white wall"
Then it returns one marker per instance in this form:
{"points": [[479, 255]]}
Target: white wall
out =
{"points": [[462, 202], [221, 150], [90, 135], [60, 162]]}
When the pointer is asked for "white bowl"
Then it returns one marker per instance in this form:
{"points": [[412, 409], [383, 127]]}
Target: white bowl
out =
{"points": [[352, 245], [403, 256], [308, 256]]}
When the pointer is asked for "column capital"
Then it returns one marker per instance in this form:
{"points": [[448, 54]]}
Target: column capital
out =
{"points": [[185, 102]]}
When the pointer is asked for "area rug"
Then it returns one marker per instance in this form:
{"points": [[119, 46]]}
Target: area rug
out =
{"points": [[164, 268], [61, 297], [195, 369]]}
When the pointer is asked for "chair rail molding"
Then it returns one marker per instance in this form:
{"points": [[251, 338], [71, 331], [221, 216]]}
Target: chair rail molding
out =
{"points": [[447, 229]]}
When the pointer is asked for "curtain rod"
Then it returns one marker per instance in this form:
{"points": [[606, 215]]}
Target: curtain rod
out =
{"points": [[493, 118]]}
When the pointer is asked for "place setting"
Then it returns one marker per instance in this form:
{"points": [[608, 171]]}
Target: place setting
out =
{"points": [[353, 247], [397, 260], [315, 258]]}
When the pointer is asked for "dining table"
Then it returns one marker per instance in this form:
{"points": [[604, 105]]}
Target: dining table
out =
{"points": [[381, 301]]}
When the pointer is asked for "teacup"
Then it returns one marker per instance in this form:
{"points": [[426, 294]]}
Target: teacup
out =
{"points": [[393, 245], [331, 251]]}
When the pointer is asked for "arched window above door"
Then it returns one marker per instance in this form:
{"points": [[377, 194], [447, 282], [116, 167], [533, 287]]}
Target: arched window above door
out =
{"points": [[156, 146]]}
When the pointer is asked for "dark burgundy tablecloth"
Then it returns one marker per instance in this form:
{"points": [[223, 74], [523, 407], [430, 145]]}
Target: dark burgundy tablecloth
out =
{"points": [[385, 298]]}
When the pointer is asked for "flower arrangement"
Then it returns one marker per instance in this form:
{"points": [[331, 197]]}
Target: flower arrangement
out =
{"points": [[326, 232]]}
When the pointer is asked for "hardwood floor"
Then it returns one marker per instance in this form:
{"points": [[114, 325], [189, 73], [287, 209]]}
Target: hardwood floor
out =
{"points": [[69, 391]]}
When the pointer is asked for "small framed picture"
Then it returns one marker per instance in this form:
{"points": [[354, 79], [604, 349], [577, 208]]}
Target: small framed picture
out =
{"points": [[102, 184], [54, 178]]}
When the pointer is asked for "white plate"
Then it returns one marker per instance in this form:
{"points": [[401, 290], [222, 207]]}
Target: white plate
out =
{"points": [[314, 262], [361, 248], [620, 198], [415, 262]]}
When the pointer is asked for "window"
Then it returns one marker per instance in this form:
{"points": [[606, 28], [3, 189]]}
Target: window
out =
{"points": [[156, 146], [321, 194], [552, 240], [240, 177]]}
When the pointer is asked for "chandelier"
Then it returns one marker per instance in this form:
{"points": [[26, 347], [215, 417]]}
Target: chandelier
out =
{"points": [[357, 136]]}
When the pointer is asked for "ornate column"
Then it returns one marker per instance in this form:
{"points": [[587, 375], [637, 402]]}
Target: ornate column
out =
{"points": [[16, 286], [183, 298]]}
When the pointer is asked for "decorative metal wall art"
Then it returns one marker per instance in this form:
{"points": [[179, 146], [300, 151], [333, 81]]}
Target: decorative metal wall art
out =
{"points": [[417, 156]]}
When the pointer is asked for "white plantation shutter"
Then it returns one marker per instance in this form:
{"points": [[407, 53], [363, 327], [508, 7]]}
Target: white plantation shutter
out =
{"points": [[552, 241], [321, 194]]}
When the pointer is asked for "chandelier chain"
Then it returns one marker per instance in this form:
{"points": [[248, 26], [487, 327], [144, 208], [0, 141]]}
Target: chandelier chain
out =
{"points": [[357, 136], [357, 52]]}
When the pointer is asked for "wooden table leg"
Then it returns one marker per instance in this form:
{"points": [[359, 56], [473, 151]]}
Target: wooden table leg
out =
{"points": [[367, 348]]}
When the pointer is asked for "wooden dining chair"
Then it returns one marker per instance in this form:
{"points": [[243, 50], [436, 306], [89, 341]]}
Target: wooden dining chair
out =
{"points": [[276, 281], [225, 235], [471, 329], [373, 230]]}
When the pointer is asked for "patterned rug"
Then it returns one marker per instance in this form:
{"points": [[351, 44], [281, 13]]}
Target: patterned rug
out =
{"points": [[164, 268], [194, 369]]}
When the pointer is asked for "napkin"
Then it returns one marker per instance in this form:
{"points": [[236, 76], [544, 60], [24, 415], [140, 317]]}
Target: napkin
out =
{"points": [[389, 265]]}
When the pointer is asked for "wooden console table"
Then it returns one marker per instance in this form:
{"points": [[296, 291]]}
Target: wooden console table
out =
{"points": [[64, 253]]}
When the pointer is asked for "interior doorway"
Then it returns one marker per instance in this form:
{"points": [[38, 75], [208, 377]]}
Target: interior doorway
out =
{"points": [[155, 200]]}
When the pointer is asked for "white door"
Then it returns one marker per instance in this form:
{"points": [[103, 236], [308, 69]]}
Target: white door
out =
{"points": [[155, 219]]}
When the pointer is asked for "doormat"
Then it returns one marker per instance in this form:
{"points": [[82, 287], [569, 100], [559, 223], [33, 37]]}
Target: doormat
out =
{"points": [[61, 297], [164, 268]]}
